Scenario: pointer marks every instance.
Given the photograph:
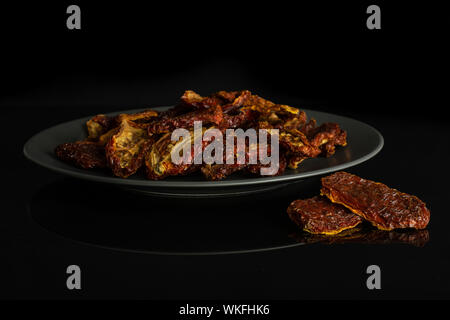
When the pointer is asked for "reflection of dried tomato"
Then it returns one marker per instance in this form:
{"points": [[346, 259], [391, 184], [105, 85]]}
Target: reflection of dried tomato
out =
{"points": [[84, 154], [320, 216], [413, 237], [126, 149], [384, 207]]}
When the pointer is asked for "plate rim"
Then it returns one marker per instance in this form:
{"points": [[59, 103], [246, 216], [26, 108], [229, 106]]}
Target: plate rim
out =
{"points": [[197, 184]]}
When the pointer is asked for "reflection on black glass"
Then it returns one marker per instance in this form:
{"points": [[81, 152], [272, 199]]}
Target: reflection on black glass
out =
{"points": [[98, 214], [367, 235], [102, 215]]}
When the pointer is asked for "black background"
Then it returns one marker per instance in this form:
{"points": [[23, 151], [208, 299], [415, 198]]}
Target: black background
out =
{"points": [[313, 54]]}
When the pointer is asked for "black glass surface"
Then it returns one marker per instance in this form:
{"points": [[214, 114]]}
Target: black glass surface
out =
{"points": [[159, 225]]}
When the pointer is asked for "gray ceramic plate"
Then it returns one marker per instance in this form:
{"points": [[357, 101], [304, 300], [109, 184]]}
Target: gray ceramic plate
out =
{"points": [[364, 142]]}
